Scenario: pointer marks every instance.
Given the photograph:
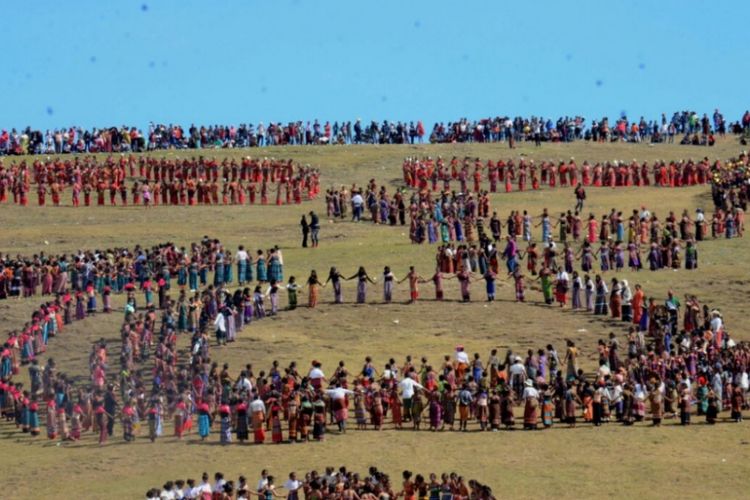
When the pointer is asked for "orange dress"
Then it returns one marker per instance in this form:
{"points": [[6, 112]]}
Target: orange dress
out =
{"points": [[637, 303]]}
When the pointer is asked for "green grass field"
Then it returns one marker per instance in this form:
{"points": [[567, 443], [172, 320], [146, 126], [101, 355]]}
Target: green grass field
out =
{"points": [[666, 462]]}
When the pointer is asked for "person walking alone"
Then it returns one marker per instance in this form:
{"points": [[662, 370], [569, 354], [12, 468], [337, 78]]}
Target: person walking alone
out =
{"points": [[314, 228], [580, 193], [305, 230]]}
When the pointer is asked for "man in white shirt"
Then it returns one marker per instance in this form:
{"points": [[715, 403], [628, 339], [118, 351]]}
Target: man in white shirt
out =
{"points": [[263, 481], [221, 328], [243, 383], [699, 216], [292, 486], [517, 375], [339, 405], [241, 254], [408, 386], [357, 204]]}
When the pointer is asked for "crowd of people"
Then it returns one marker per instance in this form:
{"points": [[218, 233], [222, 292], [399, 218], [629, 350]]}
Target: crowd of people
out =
{"points": [[475, 175], [333, 484], [152, 181], [730, 183], [155, 270], [75, 290], [685, 127], [456, 218], [615, 240], [438, 214], [126, 139], [671, 361], [676, 360]]}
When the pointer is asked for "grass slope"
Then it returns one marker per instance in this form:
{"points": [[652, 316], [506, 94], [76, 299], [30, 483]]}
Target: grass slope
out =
{"points": [[666, 462]]}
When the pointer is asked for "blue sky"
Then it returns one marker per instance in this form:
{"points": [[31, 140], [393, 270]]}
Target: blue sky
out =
{"points": [[97, 63]]}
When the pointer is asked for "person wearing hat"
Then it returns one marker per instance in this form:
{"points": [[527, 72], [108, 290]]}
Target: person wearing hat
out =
{"points": [[531, 404], [517, 372]]}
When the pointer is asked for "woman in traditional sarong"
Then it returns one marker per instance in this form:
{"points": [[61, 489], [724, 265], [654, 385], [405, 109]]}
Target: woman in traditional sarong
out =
{"points": [[615, 299], [258, 416], [31, 419], [100, 417], [494, 411], [575, 296], [225, 415], [291, 292], [601, 306], [75, 422], [571, 360], [51, 419], [275, 268], [656, 400], [571, 399], [506, 407], [180, 418], [376, 408], [154, 419], [436, 412], [292, 411], [482, 410], [62, 423], [305, 418], [362, 279], [562, 284], [128, 413], [274, 417], [313, 286], [546, 281], [388, 282], [548, 408], [241, 424], [80, 306], [260, 268], [319, 419], [204, 420]]}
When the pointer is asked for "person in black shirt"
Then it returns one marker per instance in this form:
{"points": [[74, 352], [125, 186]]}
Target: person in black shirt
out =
{"points": [[305, 230], [580, 193], [110, 406], [314, 228]]}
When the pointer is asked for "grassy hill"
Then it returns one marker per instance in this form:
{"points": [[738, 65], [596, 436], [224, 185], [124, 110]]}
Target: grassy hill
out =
{"points": [[648, 462]]}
